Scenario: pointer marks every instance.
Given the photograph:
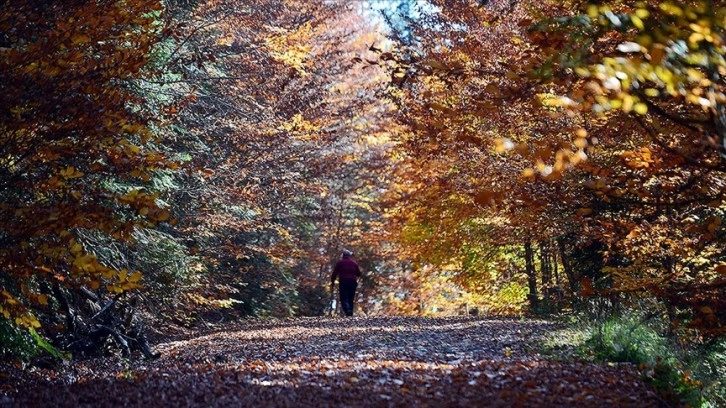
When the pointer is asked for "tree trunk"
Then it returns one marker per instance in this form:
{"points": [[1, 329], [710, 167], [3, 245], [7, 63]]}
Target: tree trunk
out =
{"points": [[544, 261], [567, 267], [531, 276], [556, 269]]}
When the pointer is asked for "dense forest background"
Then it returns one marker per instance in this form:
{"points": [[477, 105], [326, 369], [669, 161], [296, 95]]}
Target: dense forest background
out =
{"points": [[182, 162]]}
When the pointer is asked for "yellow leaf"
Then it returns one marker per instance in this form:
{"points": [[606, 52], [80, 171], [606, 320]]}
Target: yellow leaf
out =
{"points": [[31, 67], [640, 108], [131, 286], [593, 11], [642, 13], [503, 144], [671, 9], [85, 262], [135, 277], [43, 299], [628, 103]]}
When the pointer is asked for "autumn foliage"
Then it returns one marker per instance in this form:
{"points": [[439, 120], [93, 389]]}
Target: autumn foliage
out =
{"points": [[591, 139], [198, 151], [209, 159], [70, 135]]}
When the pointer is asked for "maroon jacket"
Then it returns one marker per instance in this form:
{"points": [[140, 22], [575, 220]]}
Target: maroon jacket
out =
{"points": [[346, 269]]}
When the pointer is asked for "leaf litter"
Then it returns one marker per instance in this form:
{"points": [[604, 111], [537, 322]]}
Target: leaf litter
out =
{"points": [[326, 362]]}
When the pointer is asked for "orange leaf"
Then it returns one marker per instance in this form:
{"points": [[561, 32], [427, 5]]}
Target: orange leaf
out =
{"points": [[587, 289]]}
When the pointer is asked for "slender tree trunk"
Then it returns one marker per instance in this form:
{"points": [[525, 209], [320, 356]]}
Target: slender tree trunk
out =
{"points": [[567, 267], [556, 269], [321, 274], [531, 275], [544, 260]]}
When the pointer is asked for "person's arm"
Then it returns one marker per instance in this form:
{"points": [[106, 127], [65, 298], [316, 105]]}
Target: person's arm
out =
{"points": [[336, 271], [357, 271]]}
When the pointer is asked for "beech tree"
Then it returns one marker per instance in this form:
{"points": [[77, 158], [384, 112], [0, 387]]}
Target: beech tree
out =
{"points": [[611, 123], [651, 82], [279, 124], [465, 104], [69, 133]]}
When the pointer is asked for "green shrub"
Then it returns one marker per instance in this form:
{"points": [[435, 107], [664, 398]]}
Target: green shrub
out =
{"points": [[690, 374], [19, 343], [709, 367], [312, 300], [629, 339], [16, 343]]}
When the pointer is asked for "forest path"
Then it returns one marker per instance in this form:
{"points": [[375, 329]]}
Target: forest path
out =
{"points": [[361, 361]]}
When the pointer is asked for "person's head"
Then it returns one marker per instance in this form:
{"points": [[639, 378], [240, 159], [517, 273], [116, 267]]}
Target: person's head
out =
{"points": [[347, 253]]}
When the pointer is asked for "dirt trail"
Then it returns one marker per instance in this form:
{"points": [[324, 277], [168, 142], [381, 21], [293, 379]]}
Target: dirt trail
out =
{"points": [[366, 361]]}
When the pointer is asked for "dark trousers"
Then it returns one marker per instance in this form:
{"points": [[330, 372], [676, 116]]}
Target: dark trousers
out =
{"points": [[347, 295]]}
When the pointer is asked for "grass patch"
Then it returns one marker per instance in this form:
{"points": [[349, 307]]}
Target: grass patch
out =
{"points": [[685, 374]]}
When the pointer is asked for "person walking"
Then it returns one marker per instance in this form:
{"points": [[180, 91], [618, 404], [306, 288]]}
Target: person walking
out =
{"points": [[347, 272]]}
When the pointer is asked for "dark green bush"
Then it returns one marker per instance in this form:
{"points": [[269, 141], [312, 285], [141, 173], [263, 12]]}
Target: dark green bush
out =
{"points": [[16, 343], [312, 300]]}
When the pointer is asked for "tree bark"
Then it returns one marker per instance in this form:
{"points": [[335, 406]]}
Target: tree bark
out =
{"points": [[544, 260], [567, 267], [556, 269], [531, 276]]}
